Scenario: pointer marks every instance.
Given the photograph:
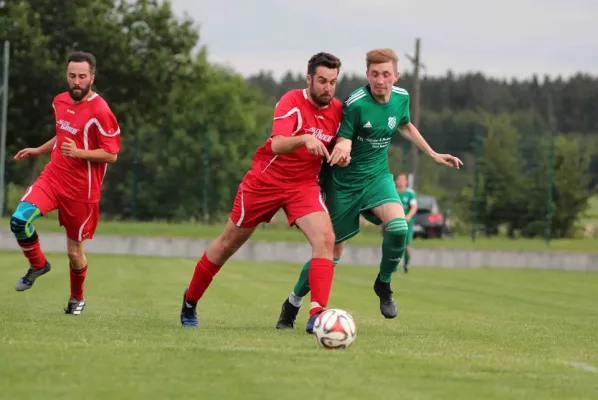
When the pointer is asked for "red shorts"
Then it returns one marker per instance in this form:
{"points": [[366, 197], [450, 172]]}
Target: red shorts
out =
{"points": [[78, 219], [253, 206]]}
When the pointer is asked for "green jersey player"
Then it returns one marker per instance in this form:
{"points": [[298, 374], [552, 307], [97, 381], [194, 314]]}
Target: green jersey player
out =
{"points": [[409, 200], [371, 116]]}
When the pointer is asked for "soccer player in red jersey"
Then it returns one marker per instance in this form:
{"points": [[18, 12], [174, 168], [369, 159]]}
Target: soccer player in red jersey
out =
{"points": [[87, 139], [284, 174]]}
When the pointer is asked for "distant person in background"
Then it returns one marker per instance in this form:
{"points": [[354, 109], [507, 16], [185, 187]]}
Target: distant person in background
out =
{"points": [[409, 200]]}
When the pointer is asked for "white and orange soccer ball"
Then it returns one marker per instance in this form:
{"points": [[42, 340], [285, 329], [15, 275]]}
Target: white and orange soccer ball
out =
{"points": [[335, 329]]}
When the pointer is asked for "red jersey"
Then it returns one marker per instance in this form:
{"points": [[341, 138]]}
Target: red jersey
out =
{"points": [[295, 115], [92, 125]]}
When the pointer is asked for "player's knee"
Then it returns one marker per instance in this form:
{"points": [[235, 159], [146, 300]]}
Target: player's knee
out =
{"points": [[397, 229], [324, 241], [17, 226], [75, 255], [328, 240], [21, 226], [21, 222], [322, 244]]}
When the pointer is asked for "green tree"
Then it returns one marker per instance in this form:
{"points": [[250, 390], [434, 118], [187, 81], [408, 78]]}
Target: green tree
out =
{"points": [[502, 167]]}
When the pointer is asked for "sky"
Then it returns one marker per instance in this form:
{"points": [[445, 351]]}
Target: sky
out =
{"points": [[503, 39]]}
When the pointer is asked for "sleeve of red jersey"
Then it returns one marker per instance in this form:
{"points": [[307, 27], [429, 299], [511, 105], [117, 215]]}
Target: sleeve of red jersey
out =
{"points": [[287, 116], [54, 105], [108, 131]]}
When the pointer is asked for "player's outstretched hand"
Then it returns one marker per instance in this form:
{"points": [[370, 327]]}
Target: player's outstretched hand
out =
{"points": [[316, 147], [344, 162], [27, 153], [69, 148], [341, 153], [448, 160]]}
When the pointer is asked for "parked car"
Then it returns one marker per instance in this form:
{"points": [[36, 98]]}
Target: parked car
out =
{"points": [[430, 221]]}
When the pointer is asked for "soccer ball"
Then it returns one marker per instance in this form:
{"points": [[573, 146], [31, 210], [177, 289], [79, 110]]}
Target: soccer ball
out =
{"points": [[335, 329]]}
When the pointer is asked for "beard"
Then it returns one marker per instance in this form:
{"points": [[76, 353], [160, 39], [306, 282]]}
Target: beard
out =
{"points": [[78, 93], [321, 100]]}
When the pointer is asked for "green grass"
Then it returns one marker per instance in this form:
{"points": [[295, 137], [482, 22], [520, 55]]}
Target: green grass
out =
{"points": [[591, 214], [278, 232], [462, 334]]}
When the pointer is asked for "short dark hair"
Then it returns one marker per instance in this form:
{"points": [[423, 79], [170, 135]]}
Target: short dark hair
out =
{"points": [[323, 60], [81, 56], [405, 174]]}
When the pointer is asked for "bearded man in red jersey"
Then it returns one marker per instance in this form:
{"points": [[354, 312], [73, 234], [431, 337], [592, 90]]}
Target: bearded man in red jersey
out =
{"points": [[87, 139]]}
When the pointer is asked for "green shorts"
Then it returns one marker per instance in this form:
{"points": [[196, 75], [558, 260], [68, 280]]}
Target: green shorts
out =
{"points": [[346, 205]]}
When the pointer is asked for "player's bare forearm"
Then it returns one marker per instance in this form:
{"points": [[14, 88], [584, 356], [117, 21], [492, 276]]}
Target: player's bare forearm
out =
{"points": [[411, 133], [47, 147], [286, 144], [96, 156], [411, 213]]}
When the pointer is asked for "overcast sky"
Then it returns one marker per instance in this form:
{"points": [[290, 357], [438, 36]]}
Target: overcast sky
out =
{"points": [[507, 38]]}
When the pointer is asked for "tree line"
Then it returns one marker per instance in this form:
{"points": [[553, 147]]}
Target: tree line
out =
{"points": [[190, 127]]}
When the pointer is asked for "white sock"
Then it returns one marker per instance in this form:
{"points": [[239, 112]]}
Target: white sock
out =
{"points": [[295, 300]]}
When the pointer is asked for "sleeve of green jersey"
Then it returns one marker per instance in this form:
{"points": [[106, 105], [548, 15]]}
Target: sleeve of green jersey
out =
{"points": [[406, 115], [349, 122]]}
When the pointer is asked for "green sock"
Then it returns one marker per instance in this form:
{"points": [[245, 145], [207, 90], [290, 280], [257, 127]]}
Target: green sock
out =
{"points": [[393, 247], [301, 288], [407, 258]]}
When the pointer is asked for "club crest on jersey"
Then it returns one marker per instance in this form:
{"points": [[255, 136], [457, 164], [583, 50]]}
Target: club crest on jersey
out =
{"points": [[392, 122], [66, 126]]}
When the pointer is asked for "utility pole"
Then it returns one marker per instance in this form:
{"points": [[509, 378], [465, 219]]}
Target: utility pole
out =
{"points": [[415, 104], [550, 188]]}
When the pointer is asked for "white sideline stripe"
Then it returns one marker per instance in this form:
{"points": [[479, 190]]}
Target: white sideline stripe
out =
{"points": [[287, 350], [582, 366]]}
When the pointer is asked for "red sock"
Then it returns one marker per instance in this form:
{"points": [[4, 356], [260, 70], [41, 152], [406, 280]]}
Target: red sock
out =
{"points": [[77, 280], [321, 272], [205, 270], [33, 251]]}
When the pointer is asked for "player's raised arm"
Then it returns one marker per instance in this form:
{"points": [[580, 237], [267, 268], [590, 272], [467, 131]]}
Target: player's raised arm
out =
{"points": [[411, 133]]}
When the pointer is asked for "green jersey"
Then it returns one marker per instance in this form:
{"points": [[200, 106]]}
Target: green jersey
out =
{"points": [[371, 126], [409, 199]]}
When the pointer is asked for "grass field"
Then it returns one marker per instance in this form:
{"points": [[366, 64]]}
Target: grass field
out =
{"points": [[369, 236], [461, 334], [591, 214]]}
